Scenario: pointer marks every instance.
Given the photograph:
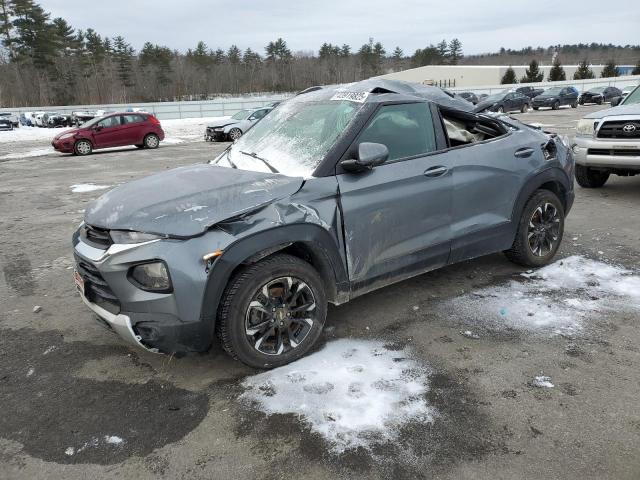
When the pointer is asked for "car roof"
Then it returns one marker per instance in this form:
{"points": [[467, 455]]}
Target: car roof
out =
{"points": [[379, 90]]}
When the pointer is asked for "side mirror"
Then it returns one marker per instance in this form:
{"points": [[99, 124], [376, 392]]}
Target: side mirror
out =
{"points": [[369, 155], [615, 101]]}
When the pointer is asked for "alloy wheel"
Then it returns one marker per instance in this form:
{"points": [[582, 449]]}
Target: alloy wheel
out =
{"points": [[83, 147], [152, 141], [280, 315], [235, 134], [544, 229]]}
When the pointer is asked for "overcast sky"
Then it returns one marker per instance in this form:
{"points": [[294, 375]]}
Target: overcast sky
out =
{"points": [[482, 26]]}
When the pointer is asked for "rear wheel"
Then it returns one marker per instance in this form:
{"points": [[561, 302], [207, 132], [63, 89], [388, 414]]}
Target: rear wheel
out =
{"points": [[83, 147], [151, 141], [590, 178], [556, 105], [536, 108], [234, 134], [539, 231], [524, 108], [272, 312]]}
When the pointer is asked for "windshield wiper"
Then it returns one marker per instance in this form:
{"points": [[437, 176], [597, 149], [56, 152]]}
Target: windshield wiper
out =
{"points": [[255, 155], [233, 165]]}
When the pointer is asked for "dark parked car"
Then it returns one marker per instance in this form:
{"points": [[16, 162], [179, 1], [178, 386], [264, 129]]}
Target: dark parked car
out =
{"points": [[232, 128], [337, 192], [469, 97], [530, 92], [5, 123], [84, 116], [59, 120], [506, 101], [555, 97], [600, 95], [114, 130]]}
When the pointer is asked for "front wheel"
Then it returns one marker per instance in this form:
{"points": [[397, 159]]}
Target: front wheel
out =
{"points": [[272, 312], [151, 141], [500, 109], [540, 231], [574, 104], [234, 134], [556, 106], [524, 108], [83, 147], [590, 178]]}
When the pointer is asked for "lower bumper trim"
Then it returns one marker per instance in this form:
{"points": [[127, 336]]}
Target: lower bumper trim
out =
{"points": [[120, 323]]}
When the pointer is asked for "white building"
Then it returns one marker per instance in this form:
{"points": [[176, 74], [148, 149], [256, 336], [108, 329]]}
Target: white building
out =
{"points": [[480, 75]]}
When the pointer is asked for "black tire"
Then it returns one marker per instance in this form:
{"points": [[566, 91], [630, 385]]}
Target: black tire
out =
{"points": [[536, 108], [574, 104], [556, 105], [599, 101], [522, 251], [524, 108], [151, 140], [589, 178], [234, 313], [500, 109], [140, 145], [234, 134], [82, 147]]}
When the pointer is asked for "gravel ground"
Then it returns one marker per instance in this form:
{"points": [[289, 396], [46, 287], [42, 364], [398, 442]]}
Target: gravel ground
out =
{"points": [[77, 403]]}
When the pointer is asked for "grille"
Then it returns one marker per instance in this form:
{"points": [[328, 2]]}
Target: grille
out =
{"points": [[96, 237], [96, 289], [619, 152], [615, 129]]}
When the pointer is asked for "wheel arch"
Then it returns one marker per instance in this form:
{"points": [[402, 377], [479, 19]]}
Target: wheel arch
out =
{"points": [[311, 243], [553, 179]]}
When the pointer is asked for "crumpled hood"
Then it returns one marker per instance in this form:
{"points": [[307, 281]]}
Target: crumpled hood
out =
{"points": [[632, 109], [184, 202], [483, 105], [221, 122]]}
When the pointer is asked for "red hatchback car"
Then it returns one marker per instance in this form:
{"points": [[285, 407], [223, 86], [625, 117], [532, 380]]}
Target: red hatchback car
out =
{"points": [[113, 130]]}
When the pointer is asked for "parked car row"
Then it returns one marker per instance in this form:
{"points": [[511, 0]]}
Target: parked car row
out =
{"points": [[522, 98], [8, 121]]}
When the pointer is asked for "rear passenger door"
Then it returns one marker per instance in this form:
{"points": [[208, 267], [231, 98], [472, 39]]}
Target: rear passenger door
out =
{"points": [[397, 216], [131, 132], [486, 181]]}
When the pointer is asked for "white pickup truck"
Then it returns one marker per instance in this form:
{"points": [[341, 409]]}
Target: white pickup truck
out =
{"points": [[608, 142]]}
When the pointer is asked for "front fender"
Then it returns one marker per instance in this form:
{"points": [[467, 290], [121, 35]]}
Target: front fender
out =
{"points": [[312, 238]]}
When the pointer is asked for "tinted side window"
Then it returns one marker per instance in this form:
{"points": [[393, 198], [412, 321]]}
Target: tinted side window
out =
{"points": [[406, 130], [259, 114], [132, 118]]}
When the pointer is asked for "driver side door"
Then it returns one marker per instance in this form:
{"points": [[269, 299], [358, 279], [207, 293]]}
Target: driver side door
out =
{"points": [[397, 216], [107, 132]]}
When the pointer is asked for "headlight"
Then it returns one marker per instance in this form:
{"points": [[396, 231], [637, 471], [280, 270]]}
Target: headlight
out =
{"points": [[217, 129], [121, 236], [585, 127], [65, 136], [152, 276]]}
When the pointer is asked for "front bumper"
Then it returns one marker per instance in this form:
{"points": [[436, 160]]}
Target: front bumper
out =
{"points": [[593, 152], [211, 135], [157, 322], [64, 146]]}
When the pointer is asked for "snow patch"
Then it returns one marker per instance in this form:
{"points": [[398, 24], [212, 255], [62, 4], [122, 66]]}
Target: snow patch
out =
{"points": [[542, 382], [31, 153], [113, 439], [354, 393], [87, 187], [558, 297]]}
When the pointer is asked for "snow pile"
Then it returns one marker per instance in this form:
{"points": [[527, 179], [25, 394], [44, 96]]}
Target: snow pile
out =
{"points": [[87, 187], [354, 393], [31, 153], [95, 442], [558, 297], [542, 381]]}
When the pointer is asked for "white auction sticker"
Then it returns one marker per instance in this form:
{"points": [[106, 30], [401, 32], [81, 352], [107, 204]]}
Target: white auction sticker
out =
{"points": [[359, 97]]}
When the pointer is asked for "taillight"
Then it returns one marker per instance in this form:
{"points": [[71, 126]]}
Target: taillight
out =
{"points": [[153, 120]]}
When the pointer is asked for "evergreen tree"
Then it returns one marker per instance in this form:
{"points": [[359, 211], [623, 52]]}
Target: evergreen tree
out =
{"points": [[443, 51], [583, 72], [398, 54], [557, 72], [636, 69], [345, 50], [426, 56], [327, 50], [234, 55], [278, 50], [123, 55], [33, 33], [509, 77], [455, 51], [609, 70], [533, 73], [6, 26], [251, 58]]}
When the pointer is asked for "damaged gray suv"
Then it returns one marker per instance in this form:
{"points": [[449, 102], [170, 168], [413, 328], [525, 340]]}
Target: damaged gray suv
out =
{"points": [[339, 191]]}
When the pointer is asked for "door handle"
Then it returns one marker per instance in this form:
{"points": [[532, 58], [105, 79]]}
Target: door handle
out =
{"points": [[435, 171], [523, 152]]}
